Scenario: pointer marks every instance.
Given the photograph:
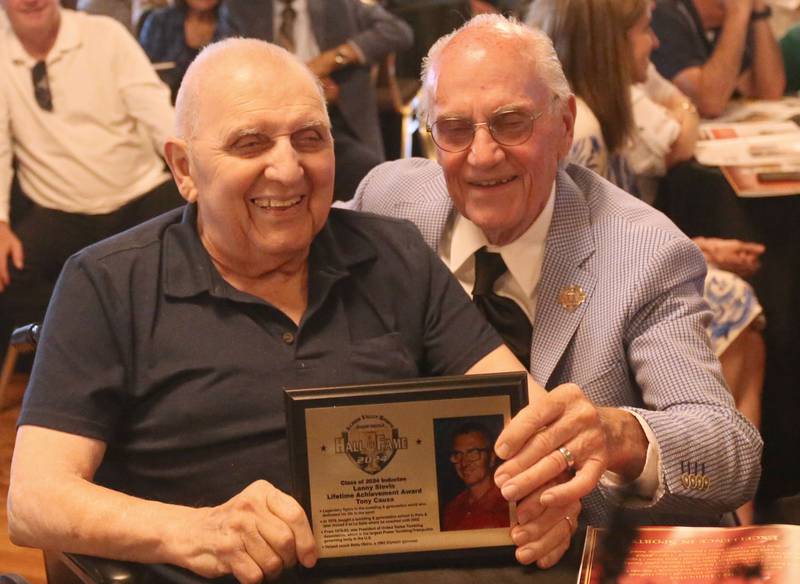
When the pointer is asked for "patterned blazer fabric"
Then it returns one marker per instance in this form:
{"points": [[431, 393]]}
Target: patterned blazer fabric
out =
{"points": [[637, 341]]}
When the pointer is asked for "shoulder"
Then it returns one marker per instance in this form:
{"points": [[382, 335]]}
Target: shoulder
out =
{"points": [[144, 240], [586, 123], [588, 146], [609, 204], [411, 179], [669, 13], [159, 17], [356, 229]]}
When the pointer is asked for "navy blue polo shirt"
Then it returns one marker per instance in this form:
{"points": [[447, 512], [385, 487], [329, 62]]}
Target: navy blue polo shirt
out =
{"points": [[683, 42], [148, 349]]}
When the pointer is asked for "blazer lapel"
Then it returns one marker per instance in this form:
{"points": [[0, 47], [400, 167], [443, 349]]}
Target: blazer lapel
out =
{"points": [[569, 245]]}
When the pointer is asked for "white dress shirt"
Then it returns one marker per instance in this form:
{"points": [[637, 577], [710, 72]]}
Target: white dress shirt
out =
{"points": [[100, 146], [524, 258]]}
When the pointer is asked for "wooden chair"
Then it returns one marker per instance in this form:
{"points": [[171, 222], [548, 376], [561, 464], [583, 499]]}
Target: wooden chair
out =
{"points": [[400, 96], [23, 340], [64, 568]]}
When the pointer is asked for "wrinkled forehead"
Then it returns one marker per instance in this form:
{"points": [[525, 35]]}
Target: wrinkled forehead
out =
{"points": [[285, 89], [484, 77]]}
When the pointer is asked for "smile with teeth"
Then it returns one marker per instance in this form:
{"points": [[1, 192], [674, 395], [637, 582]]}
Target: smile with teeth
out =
{"points": [[265, 203], [492, 183]]}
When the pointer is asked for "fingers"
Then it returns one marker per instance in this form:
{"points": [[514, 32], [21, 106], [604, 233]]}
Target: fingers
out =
{"points": [[564, 418], [255, 535], [527, 423], [546, 539], [303, 546], [10, 247]]}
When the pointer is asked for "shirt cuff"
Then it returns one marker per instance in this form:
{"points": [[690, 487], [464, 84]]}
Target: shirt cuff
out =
{"points": [[648, 487]]}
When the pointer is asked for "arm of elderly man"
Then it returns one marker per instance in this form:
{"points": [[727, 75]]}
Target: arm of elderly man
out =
{"points": [[96, 385], [683, 402], [710, 80], [640, 354]]}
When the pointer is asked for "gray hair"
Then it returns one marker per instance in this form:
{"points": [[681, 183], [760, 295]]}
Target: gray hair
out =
{"points": [[222, 56], [535, 46]]}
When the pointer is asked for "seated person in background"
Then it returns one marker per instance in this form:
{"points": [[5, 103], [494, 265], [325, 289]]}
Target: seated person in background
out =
{"points": [[647, 126], [713, 49], [177, 33], [632, 119], [339, 40], [85, 117], [595, 290], [481, 504], [127, 12], [156, 403]]}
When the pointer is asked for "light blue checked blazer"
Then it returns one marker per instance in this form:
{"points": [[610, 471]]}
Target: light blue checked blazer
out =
{"points": [[638, 341]]}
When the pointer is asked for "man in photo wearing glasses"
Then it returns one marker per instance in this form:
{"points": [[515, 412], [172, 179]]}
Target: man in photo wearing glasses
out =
{"points": [[481, 504], [83, 118], [596, 292]]}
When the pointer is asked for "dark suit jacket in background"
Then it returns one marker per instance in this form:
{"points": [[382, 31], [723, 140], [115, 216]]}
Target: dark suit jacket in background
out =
{"points": [[376, 32]]}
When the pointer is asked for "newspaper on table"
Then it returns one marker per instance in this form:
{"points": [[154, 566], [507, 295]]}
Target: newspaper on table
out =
{"points": [[757, 146]]}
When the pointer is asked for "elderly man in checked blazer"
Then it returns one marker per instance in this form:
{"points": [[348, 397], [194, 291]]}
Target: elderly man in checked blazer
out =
{"points": [[609, 288]]}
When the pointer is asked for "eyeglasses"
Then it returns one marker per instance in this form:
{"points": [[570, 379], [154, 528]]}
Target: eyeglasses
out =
{"points": [[508, 128], [471, 455], [41, 86]]}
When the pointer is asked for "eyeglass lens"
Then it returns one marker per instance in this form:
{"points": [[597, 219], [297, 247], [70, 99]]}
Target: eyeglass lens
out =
{"points": [[507, 128], [41, 86], [470, 455]]}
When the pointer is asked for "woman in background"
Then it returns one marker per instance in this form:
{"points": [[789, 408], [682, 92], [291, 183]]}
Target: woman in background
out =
{"points": [[631, 125], [173, 36]]}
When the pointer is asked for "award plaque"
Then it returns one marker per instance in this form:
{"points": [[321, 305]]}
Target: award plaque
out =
{"points": [[398, 470]]}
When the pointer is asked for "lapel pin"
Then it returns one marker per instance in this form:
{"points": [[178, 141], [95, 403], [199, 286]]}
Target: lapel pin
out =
{"points": [[571, 297]]}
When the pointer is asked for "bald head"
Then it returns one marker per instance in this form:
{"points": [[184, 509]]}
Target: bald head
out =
{"points": [[227, 60], [489, 32]]}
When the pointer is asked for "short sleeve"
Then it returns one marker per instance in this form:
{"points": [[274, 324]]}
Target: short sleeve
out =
{"points": [[78, 376]]}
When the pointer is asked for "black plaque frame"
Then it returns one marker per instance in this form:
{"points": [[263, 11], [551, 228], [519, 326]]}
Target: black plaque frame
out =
{"points": [[513, 385]]}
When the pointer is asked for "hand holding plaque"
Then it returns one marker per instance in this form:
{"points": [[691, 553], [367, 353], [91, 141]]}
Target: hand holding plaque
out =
{"points": [[404, 469]]}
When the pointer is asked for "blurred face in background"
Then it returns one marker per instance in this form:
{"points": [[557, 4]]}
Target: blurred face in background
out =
{"points": [[32, 17], [642, 41]]}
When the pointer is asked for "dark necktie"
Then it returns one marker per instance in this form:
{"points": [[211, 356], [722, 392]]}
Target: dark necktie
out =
{"points": [[286, 31], [503, 313]]}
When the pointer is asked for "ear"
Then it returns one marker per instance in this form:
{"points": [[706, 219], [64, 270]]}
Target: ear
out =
{"points": [[176, 152], [568, 113]]}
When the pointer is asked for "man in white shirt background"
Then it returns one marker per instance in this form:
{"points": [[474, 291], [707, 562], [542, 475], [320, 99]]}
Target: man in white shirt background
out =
{"points": [[83, 118]]}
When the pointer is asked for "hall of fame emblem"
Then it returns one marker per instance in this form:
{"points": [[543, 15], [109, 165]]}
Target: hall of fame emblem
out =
{"points": [[370, 442]]}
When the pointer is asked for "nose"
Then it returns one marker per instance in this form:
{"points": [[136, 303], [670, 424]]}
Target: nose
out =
{"points": [[283, 163], [484, 150], [654, 40]]}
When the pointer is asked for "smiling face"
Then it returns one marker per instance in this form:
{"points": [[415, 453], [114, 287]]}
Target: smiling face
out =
{"points": [[502, 189], [642, 41], [30, 18], [473, 472], [259, 163]]}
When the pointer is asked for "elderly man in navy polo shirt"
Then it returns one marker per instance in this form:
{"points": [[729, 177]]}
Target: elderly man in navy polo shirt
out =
{"points": [[155, 404]]}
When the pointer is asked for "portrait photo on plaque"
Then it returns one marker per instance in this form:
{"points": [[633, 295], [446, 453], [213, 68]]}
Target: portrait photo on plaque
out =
{"points": [[465, 465], [373, 467]]}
